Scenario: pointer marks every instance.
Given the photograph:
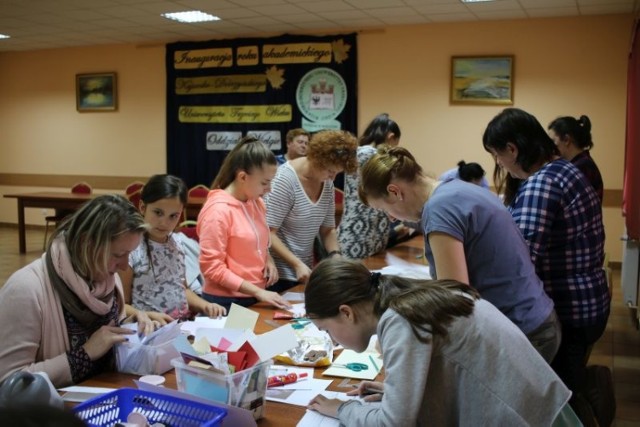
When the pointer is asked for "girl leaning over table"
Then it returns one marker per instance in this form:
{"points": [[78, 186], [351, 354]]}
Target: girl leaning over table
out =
{"points": [[155, 280], [234, 237], [469, 236], [443, 349], [66, 306]]}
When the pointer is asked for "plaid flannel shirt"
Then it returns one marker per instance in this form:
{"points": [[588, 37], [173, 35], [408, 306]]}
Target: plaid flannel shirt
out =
{"points": [[560, 217]]}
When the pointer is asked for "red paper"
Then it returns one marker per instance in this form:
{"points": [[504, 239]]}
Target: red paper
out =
{"points": [[252, 355]]}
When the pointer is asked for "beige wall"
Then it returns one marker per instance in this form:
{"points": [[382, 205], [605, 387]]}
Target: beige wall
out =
{"points": [[568, 66]]}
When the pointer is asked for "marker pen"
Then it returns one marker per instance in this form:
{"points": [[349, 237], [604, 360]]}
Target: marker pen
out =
{"points": [[280, 380]]}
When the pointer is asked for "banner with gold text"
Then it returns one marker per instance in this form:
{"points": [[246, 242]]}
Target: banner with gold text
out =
{"points": [[220, 90]]}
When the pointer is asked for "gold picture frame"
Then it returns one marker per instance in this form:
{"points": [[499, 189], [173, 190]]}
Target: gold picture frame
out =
{"points": [[482, 80], [96, 92]]}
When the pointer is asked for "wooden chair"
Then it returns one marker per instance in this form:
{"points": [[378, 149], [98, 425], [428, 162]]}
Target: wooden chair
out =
{"points": [[135, 198], [77, 188], [198, 191], [133, 187], [188, 228]]}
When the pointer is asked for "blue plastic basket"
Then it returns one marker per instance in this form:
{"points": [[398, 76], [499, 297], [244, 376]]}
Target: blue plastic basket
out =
{"points": [[114, 407]]}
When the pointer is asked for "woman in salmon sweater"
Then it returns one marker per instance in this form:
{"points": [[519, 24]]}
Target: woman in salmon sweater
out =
{"points": [[232, 226]]}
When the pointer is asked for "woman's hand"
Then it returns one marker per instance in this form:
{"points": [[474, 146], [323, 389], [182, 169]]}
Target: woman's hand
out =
{"points": [[370, 391], [214, 310], [160, 318], [271, 272], [325, 406], [145, 324], [103, 339], [302, 272], [272, 298]]}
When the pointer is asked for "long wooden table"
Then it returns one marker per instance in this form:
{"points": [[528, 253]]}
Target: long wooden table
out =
{"points": [[63, 201], [276, 414]]}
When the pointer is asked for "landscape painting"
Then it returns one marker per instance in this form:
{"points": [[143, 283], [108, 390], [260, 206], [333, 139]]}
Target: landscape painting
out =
{"points": [[482, 80]]}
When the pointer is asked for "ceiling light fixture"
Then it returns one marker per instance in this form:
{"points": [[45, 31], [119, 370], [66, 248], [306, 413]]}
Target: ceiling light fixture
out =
{"points": [[191, 16], [475, 1], [3, 36]]}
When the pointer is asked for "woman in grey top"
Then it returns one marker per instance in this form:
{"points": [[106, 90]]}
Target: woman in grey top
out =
{"points": [[443, 348]]}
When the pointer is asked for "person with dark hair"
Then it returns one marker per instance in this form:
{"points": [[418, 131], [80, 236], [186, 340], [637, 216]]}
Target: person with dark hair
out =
{"points": [[560, 217], [67, 305], [468, 172], [469, 237], [301, 205], [381, 130], [234, 236], [573, 140], [297, 143], [155, 280], [442, 346], [364, 231]]}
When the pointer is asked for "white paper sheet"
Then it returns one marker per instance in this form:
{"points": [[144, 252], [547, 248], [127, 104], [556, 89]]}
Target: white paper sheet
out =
{"points": [[399, 267], [80, 393], [315, 419], [299, 393], [298, 310], [293, 296], [191, 327]]}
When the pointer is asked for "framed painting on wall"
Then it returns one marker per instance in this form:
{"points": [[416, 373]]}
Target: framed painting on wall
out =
{"points": [[482, 80], [96, 92]]}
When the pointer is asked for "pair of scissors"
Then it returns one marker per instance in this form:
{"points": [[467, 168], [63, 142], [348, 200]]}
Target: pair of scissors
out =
{"points": [[355, 367]]}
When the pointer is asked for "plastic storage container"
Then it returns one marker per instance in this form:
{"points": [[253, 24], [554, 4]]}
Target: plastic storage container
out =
{"points": [[115, 407], [245, 389]]}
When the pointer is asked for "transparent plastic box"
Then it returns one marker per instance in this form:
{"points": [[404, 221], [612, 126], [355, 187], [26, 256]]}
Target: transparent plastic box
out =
{"points": [[245, 389]]}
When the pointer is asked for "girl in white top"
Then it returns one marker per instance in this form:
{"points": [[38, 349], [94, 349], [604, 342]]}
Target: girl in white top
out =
{"points": [[155, 280]]}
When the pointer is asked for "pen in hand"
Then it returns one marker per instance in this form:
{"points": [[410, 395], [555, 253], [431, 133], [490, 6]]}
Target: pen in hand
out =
{"points": [[369, 391]]}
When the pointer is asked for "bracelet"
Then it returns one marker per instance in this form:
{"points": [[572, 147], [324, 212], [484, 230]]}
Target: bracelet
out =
{"points": [[332, 253]]}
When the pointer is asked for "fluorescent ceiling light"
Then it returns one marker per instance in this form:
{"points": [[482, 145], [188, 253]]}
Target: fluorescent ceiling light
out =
{"points": [[191, 16], [2, 36], [475, 1]]}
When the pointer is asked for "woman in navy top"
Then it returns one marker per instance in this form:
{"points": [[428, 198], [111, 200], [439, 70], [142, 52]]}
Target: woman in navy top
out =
{"points": [[560, 216]]}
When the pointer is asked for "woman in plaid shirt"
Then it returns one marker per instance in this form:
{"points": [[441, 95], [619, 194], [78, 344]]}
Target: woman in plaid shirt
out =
{"points": [[560, 216]]}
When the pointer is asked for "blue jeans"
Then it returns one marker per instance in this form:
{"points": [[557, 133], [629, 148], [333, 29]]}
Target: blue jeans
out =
{"points": [[227, 301]]}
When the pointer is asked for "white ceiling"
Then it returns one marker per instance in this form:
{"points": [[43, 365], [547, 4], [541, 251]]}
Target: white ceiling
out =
{"points": [[46, 24]]}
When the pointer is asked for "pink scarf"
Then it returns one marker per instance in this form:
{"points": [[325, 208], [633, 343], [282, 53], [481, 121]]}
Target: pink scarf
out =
{"points": [[97, 298]]}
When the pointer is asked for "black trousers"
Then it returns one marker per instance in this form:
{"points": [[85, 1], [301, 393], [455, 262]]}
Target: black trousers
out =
{"points": [[570, 362]]}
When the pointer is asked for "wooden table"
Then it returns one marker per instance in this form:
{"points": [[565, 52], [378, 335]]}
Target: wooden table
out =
{"points": [[276, 414], [66, 201], [46, 200]]}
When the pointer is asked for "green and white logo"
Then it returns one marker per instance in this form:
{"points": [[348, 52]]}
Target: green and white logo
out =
{"points": [[321, 96]]}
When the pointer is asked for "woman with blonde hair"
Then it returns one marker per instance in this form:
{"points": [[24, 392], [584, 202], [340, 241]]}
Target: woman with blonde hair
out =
{"points": [[469, 236], [69, 303]]}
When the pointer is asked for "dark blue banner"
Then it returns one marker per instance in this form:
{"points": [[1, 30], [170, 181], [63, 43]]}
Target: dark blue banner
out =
{"points": [[220, 90]]}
